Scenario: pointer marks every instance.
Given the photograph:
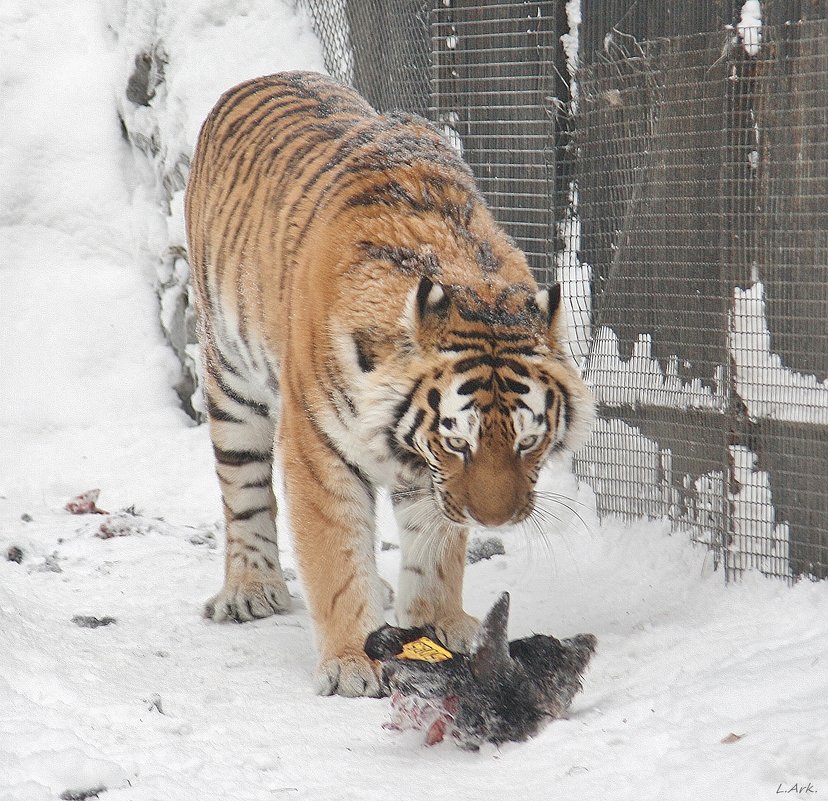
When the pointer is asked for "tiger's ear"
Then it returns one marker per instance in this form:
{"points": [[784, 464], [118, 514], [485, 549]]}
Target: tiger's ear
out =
{"points": [[549, 304], [430, 305], [431, 299]]}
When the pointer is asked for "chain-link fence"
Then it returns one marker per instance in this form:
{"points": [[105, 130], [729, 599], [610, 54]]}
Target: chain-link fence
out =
{"points": [[679, 191]]}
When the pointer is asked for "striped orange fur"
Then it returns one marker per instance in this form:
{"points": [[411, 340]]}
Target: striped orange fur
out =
{"points": [[358, 303]]}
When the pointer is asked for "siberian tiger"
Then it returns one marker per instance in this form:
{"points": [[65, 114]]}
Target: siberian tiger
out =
{"points": [[358, 303]]}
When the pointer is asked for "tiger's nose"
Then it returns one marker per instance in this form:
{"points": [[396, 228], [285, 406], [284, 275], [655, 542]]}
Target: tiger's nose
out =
{"points": [[495, 508], [497, 490]]}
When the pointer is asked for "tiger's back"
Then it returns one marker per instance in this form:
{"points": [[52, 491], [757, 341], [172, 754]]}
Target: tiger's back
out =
{"points": [[296, 180], [354, 290]]}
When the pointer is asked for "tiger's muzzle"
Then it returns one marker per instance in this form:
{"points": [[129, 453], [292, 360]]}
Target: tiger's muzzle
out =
{"points": [[496, 490]]}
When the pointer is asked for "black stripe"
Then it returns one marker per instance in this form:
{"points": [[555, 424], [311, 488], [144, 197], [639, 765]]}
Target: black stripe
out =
{"points": [[434, 402], [473, 335], [348, 147], [247, 514], [217, 413], [253, 119], [406, 260], [433, 399], [528, 350], [235, 458], [225, 362], [333, 405], [515, 367], [494, 315], [233, 98], [379, 157], [260, 484], [502, 336], [259, 408], [329, 445], [408, 458], [511, 385], [451, 506], [272, 375], [405, 404], [231, 232], [458, 348], [567, 404], [473, 385], [343, 393], [485, 360], [409, 436], [292, 127], [390, 194], [251, 548], [486, 259], [364, 352]]}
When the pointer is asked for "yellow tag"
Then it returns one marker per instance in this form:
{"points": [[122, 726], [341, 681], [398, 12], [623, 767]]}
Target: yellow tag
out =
{"points": [[425, 650]]}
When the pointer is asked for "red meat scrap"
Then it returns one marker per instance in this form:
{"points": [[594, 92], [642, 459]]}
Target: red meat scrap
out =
{"points": [[85, 504]]}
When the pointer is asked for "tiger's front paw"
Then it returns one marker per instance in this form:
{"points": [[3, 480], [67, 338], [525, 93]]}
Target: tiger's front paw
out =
{"points": [[350, 675], [254, 597], [458, 633]]}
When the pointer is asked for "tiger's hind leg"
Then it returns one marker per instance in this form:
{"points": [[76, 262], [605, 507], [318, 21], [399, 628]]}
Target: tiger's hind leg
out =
{"points": [[433, 559], [242, 432]]}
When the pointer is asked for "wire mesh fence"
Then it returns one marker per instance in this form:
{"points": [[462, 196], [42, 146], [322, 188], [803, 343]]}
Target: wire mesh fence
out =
{"points": [[680, 194], [493, 83], [703, 188], [381, 47]]}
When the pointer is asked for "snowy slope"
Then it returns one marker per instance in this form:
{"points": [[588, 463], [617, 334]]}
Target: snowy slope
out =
{"points": [[163, 706]]}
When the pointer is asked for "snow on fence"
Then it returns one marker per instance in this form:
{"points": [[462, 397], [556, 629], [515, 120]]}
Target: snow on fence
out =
{"points": [[677, 186]]}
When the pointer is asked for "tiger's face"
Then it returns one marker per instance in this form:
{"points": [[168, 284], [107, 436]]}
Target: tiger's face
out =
{"points": [[499, 398], [484, 458]]}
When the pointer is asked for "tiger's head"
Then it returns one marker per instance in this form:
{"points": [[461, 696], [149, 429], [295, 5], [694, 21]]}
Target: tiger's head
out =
{"points": [[495, 397]]}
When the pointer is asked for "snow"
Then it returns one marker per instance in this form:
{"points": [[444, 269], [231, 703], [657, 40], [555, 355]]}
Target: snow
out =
{"points": [[759, 542], [637, 479], [575, 276], [640, 380], [162, 704], [768, 388], [749, 26], [570, 43], [249, 36], [683, 662]]}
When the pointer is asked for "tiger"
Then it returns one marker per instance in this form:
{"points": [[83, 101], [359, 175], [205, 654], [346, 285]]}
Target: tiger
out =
{"points": [[363, 316]]}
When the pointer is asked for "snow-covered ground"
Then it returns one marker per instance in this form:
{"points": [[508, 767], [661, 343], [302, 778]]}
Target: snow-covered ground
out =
{"points": [[697, 690]]}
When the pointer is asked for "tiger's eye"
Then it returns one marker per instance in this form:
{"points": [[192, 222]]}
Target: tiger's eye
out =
{"points": [[457, 444], [527, 442]]}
